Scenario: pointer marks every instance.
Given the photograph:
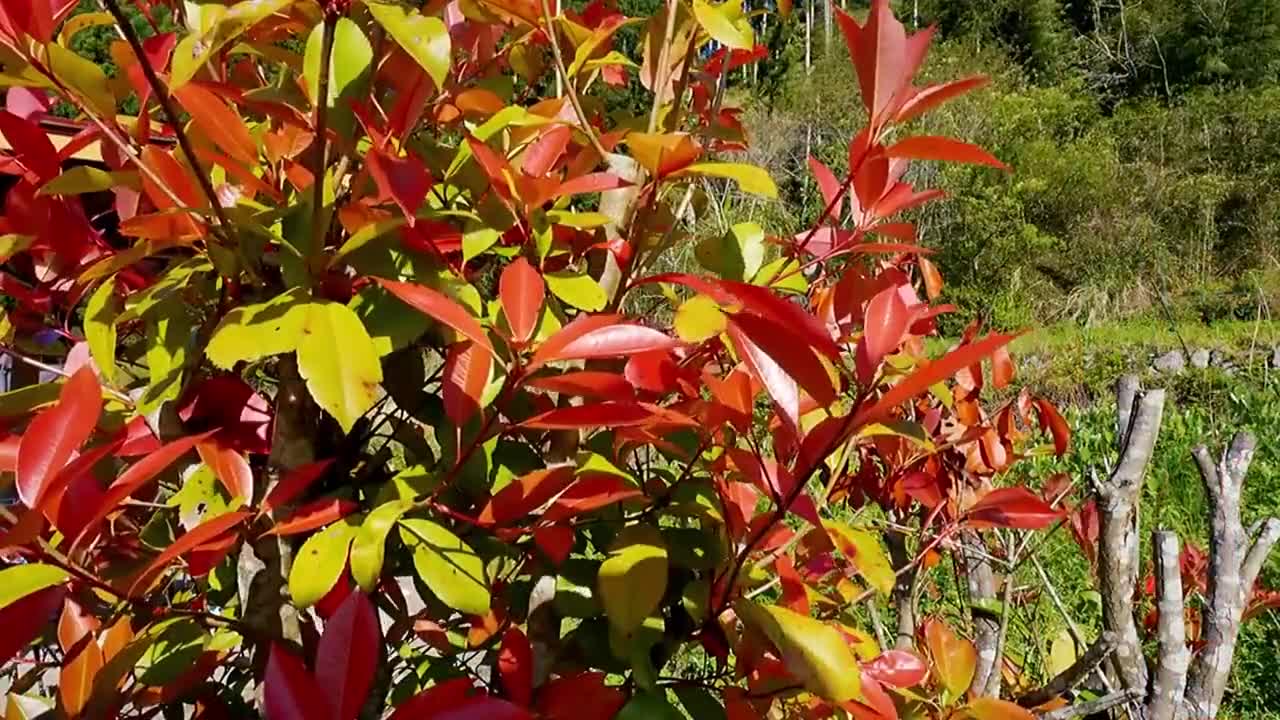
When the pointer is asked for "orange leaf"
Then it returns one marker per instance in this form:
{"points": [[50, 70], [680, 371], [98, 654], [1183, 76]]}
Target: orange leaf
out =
{"points": [[989, 708], [193, 538], [230, 467], [954, 658], [218, 121], [526, 494], [522, 292], [75, 681], [466, 373], [932, 147], [440, 307]]}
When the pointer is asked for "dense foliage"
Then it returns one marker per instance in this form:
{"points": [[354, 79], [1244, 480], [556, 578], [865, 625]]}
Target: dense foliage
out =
{"points": [[354, 410]]}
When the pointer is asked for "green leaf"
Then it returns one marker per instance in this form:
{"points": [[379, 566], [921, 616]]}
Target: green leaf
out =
{"points": [[386, 321], [816, 653], [475, 242], [83, 179], [253, 332], [168, 338], [369, 547], [23, 400], [725, 23], [785, 268], [100, 315], [12, 244], [647, 706], [750, 178], [320, 563], [633, 577], [168, 286], [577, 289], [735, 255], [177, 645], [19, 581], [349, 70], [426, 39], [337, 358], [700, 703], [578, 220], [863, 549], [195, 49], [85, 78], [448, 566]]}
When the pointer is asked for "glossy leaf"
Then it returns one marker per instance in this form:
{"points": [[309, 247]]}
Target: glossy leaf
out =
{"points": [[440, 307], [316, 514], [319, 563], [954, 658], [426, 39], [289, 691], [1013, 507], [100, 327], [591, 337], [898, 668], [337, 358], [369, 546], [522, 292], [350, 67], [219, 122], [447, 565], [813, 651], [735, 255], [75, 681], [293, 484], [725, 23], [25, 619], [928, 147], [84, 78], [525, 494], [230, 467], [633, 577], [887, 320], [699, 318], [348, 656], [51, 438], [196, 49], [19, 581]]}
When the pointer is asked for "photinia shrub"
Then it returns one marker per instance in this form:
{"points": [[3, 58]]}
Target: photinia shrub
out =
{"points": [[349, 412]]}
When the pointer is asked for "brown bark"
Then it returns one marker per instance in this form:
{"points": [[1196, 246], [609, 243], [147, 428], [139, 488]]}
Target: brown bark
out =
{"points": [[903, 589]]}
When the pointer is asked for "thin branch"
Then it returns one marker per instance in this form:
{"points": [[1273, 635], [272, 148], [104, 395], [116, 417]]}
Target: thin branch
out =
{"points": [[166, 103], [1092, 707], [1073, 675], [60, 372], [568, 84], [319, 228]]}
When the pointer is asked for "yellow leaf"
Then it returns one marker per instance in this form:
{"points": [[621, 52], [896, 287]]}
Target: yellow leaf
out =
{"points": [[253, 332], [954, 657], [1062, 653], [85, 78], [100, 315], [338, 359], [425, 38], [368, 549], [83, 179], [633, 577], [725, 23], [699, 318], [863, 549], [320, 563], [750, 178], [447, 565], [195, 49], [577, 289], [816, 653], [19, 581]]}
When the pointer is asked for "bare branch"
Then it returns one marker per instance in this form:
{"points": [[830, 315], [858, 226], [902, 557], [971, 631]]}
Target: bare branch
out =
{"points": [[1073, 675], [986, 626], [1102, 704], [1263, 541], [903, 602], [1228, 592], [1172, 658], [1118, 525]]}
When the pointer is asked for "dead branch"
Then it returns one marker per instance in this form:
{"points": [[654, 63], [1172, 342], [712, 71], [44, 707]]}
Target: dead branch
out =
{"points": [[1073, 675], [1170, 680]]}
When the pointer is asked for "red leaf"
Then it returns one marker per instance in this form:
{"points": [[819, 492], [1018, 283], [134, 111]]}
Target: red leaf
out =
{"points": [[782, 388], [56, 433], [585, 383], [1015, 507], [898, 668], [654, 371], [541, 155], [526, 494], [288, 690], [936, 371], [794, 595], [522, 292], [932, 278], [199, 535], [580, 697], [446, 694], [291, 485], [441, 307], [403, 179], [591, 492], [789, 351], [228, 403], [30, 147], [883, 328], [878, 50], [515, 664], [348, 656], [556, 541], [590, 183], [931, 147], [219, 122], [1052, 420], [230, 467], [828, 184], [315, 514], [1002, 368], [495, 166], [9, 451], [466, 373], [135, 477], [23, 620], [931, 97], [605, 414], [599, 336]]}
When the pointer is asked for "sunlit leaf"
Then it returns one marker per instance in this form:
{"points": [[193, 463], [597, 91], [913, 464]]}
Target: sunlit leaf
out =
{"points": [[425, 38], [447, 565], [633, 577], [19, 581], [815, 652], [369, 546], [578, 290], [319, 563], [252, 332], [750, 178], [337, 358]]}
